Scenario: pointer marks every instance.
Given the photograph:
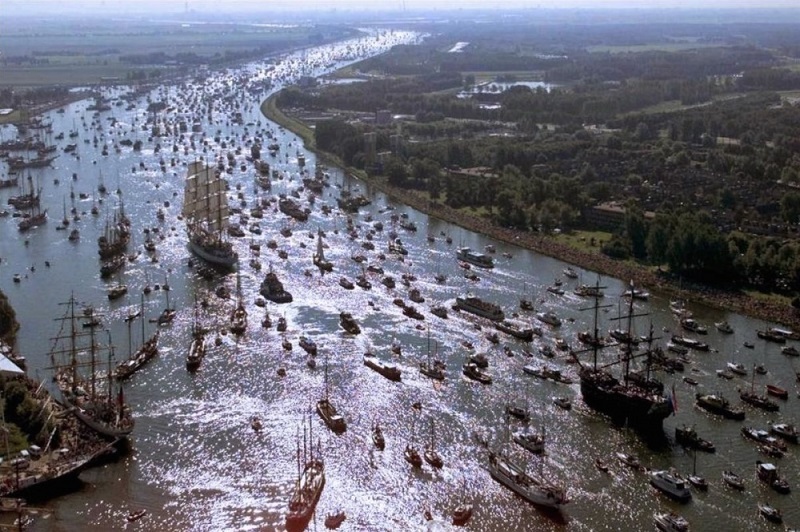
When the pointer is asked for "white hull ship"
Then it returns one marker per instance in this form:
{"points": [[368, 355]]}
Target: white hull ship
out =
{"points": [[534, 490], [205, 207]]}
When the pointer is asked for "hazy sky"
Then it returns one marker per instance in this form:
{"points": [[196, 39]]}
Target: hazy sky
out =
{"points": [[139, 6]]}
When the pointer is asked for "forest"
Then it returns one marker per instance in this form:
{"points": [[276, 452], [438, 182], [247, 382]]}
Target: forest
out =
{"points": [[704, 136]]}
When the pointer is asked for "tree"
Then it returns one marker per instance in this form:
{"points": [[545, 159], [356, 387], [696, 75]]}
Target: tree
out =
{"points": [[790, 207], [636, 231]]}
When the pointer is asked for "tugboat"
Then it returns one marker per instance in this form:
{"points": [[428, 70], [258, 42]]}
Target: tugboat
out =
{"points": [[348, 323], [272, 289], [688, 437]]}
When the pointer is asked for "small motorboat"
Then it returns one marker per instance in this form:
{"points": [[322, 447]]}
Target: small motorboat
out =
{"points": [[601, 465], [334, 521], [462, 514], [629, 460], [690, 381], [770, 513], [562, 402], [255, 424], [777, 391], [733, 480], [136, 515]]}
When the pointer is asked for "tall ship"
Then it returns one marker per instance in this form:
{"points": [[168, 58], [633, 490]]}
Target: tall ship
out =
{"points": [[319, 256], [115, 238], [92, 399], [625, 400], [146, 352], [328, 412], [479, 307], [205, 207], [534, 489], [477, 259], [308, 486], [290, 208]]}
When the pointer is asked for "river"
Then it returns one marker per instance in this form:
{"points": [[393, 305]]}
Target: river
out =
{"points": [[196, 463]]}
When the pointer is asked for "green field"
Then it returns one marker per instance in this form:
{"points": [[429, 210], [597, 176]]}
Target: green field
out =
{"points": [[582, 240]]}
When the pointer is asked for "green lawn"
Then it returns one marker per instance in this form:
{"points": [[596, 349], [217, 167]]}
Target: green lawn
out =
{"points": [[582, 240]]}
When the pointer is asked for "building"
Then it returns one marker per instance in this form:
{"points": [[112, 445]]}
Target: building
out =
{"points": [[609, 216]]}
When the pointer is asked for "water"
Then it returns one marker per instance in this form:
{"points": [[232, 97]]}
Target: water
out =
{"points": [[196, 463]]}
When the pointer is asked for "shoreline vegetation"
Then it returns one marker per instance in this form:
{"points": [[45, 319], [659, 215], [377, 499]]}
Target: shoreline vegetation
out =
{"points": [[652, 279]]}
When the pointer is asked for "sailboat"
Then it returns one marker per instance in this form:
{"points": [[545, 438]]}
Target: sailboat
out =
{"points": [[430, 454], [239, 315], [205, 207], [168, 314], [411, 454], [696, 480], [148, 350], [92, 401], [308, 486], [327, 411], [319, 256], [534, 489], [197, 347], [432, 369]]}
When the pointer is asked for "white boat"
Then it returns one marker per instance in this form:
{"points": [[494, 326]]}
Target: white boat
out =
{"points": [[535, 490], [472, 257], [549, 318], [671, 522], [205, 208], [480, 307], [724, 327], [529, 440], [672, 484]]}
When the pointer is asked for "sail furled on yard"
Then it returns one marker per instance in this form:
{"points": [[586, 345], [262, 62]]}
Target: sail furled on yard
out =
{"points": [[205, 202]]}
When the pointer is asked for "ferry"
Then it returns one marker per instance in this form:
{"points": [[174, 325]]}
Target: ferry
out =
{"points": [[478, 259]]}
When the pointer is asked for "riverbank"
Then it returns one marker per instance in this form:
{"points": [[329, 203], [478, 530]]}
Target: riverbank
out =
{"points": [[646, 277]]}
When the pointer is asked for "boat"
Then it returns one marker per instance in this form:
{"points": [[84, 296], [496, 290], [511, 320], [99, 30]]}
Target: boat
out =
{"points": [[758, 401], [345, 283], [638, 404], [733, 480], [691, 343], [396, 247], [629, 460], [390, 371], [462, 514], [737, 368], [440, 311], [533, 489], [319, 256], [90, 398], [430, 368], [479, 307], [411, 455], [334, 521], [33, 220], [328, 412], [377, 437], [688, 437], [670, 522], [197, 346], [696, 480], [716, 404], [238, 317], [117, 291], [205, 209], [636, 293], [588, 291], [724, 327], [790, 351], [530, 441], [477, 259], [562, 402], [601, 465], [308, 345], [308, 486], [135, 515], [784, 430], [693, 326], [472, 371], [771, 336], [116, 236], [516, 330], [430, 454], [272, 288], [671, 484], [549, 318], [777, 391], [763, 437], [770, 513], [137, 359], [290, 208], [570, 273], [348, 323], [768, 473]]}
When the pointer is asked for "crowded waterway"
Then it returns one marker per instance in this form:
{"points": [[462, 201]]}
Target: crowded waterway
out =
{"points": [[196, 462]]}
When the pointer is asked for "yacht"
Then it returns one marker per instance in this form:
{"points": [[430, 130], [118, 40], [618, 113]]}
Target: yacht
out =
{"points": [[672, 484], [477, 259], [671, 522]]}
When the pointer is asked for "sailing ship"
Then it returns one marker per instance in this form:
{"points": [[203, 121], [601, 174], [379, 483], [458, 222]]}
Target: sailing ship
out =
{"points": [[93, 402], [197, 347], [638, 403], [432, 369], [327, 411], [534, 489], [205, 207], [136, 360], [238, 318], [430, 454], [319, 256], [308, 486]]}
